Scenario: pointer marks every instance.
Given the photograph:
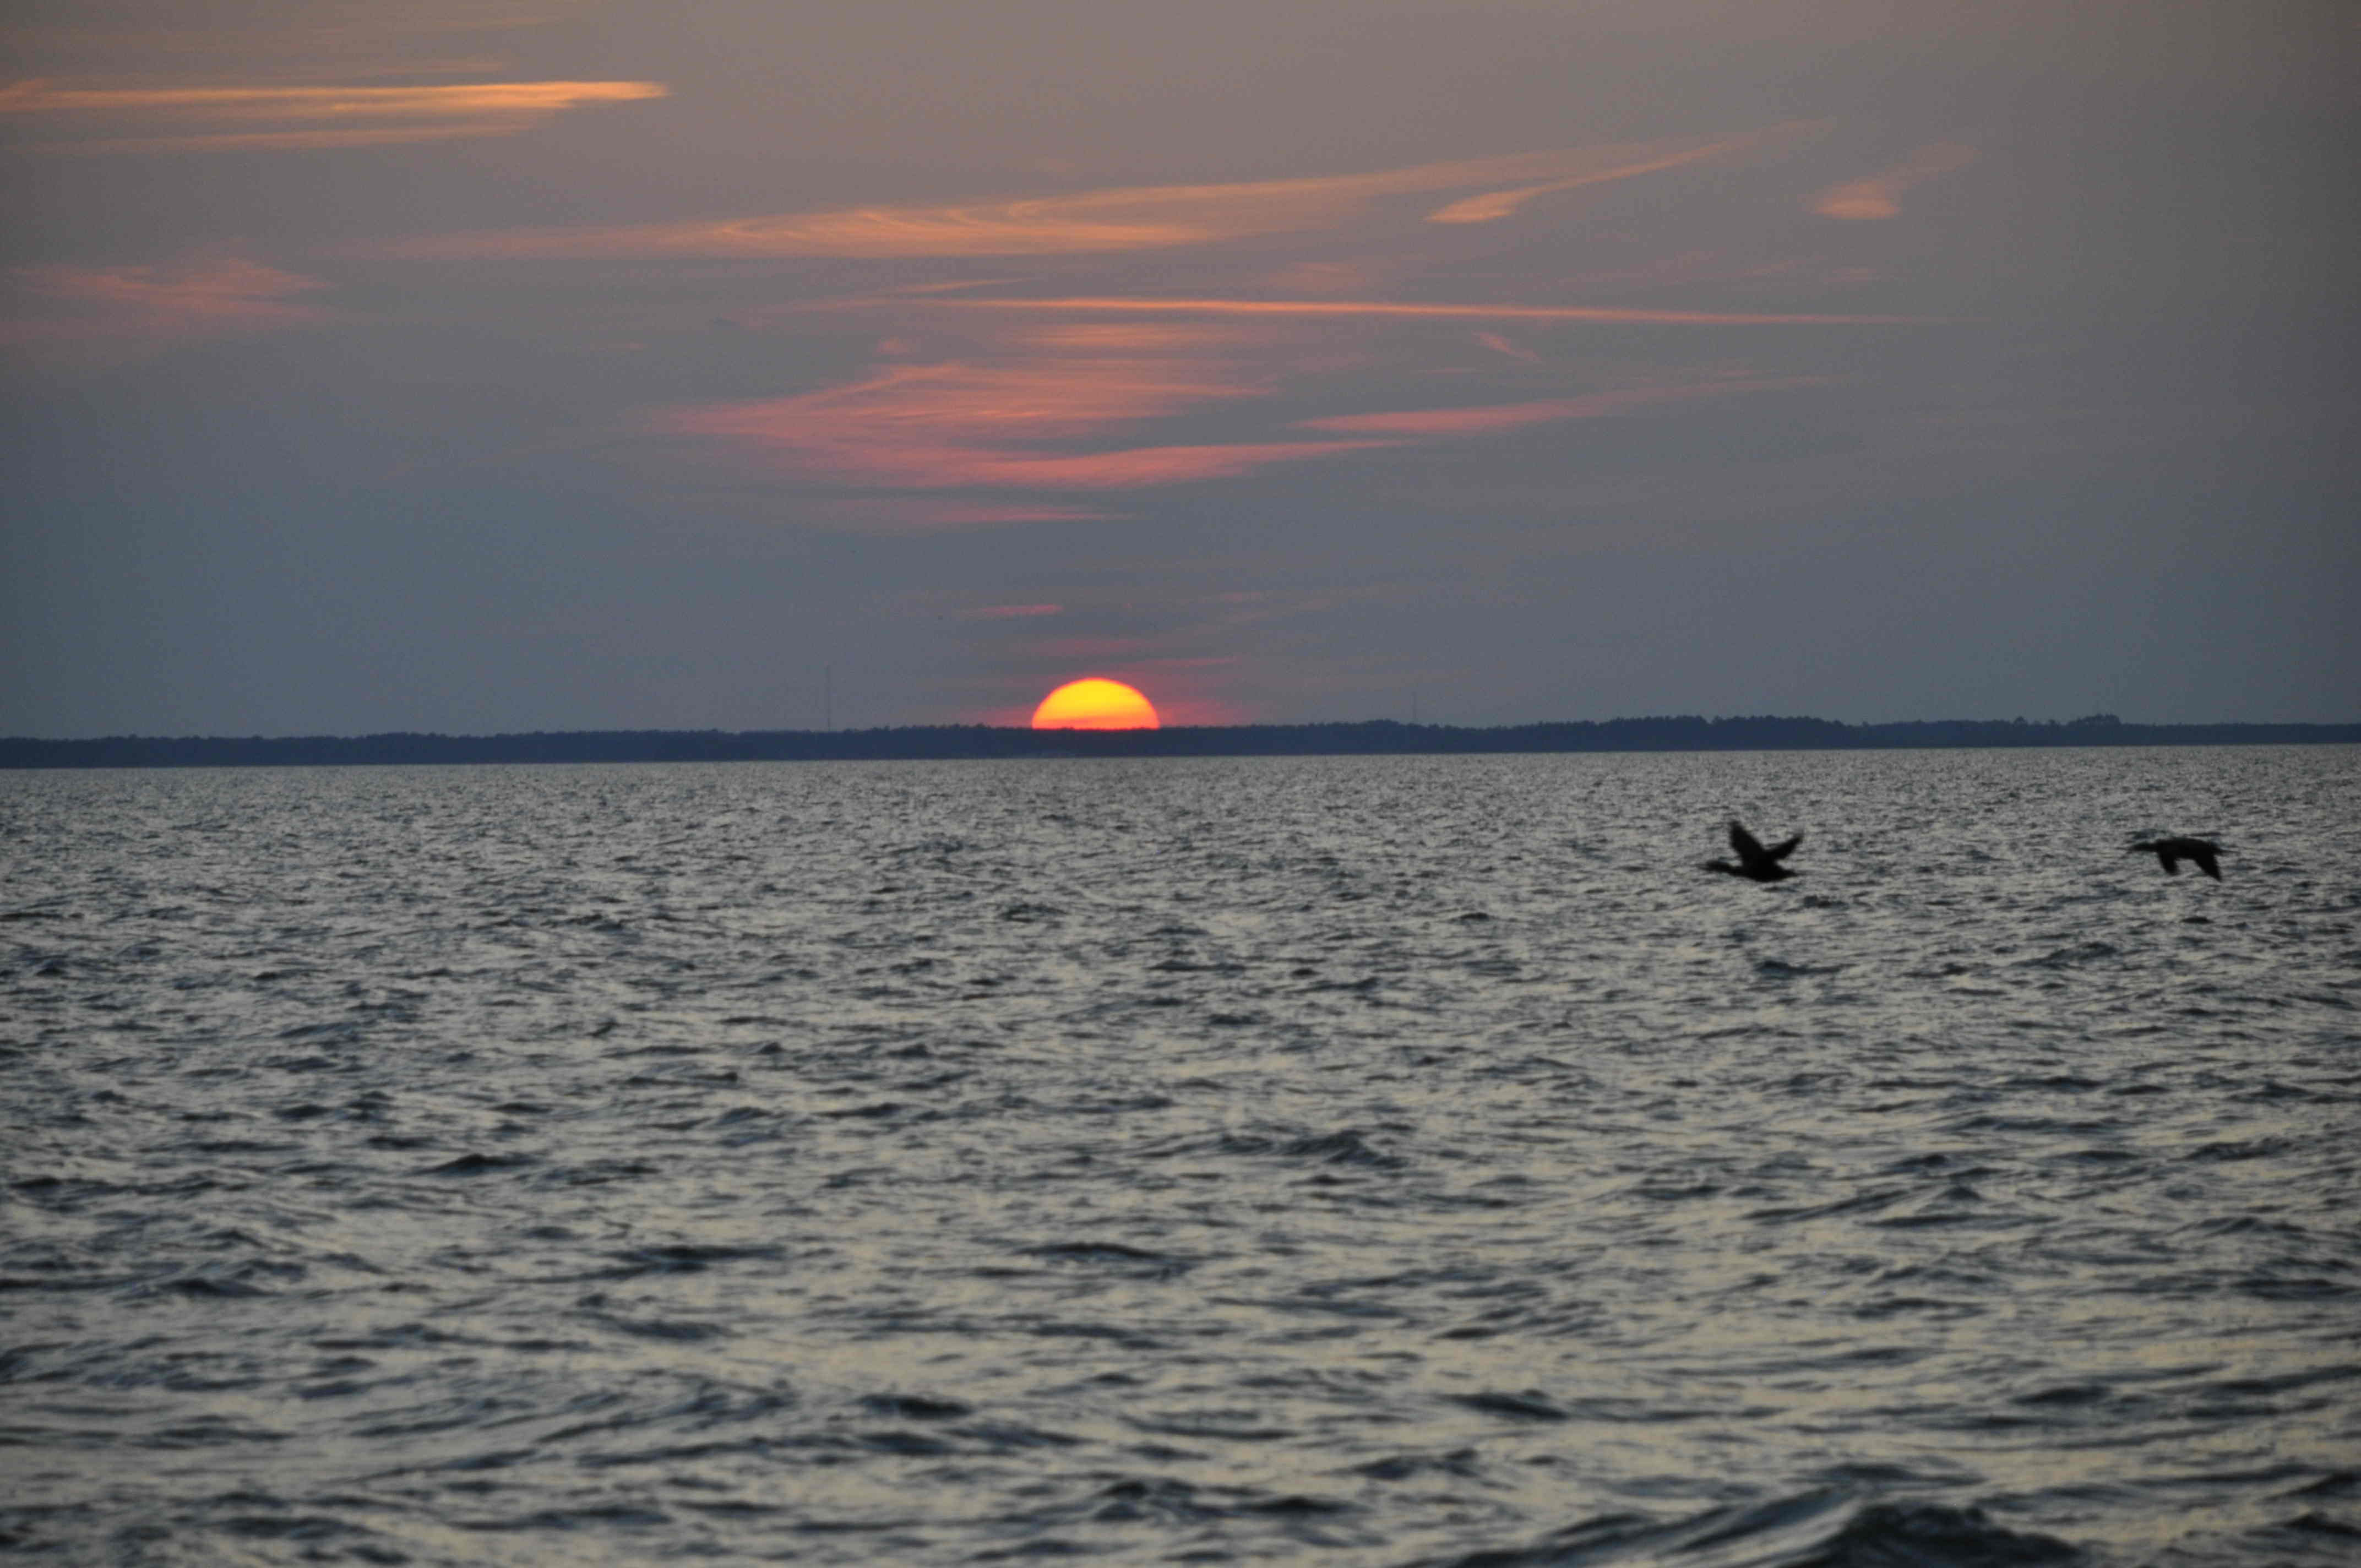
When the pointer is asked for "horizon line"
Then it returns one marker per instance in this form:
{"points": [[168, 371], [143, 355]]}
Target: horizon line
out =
{"points": [[2095, 722]]}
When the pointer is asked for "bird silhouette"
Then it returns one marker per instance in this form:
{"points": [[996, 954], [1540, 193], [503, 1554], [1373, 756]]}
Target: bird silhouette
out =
{"points": [[2170, 852], [1755, 862]]}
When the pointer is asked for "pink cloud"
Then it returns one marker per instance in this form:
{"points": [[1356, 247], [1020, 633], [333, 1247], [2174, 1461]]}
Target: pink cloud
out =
{"points": [[1380, 309], [1494, 205], [1498, 344], [1880, 195], [985, 425], [1514, 416], [236, 118], [1113, 220], [212, 296], [902, 513]]}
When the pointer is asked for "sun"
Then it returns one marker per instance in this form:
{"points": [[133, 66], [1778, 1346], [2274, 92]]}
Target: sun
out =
{"points": [[1096, 703]]}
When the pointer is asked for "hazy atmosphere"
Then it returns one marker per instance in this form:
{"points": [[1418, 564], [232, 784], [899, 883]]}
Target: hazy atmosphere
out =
{"points": [[490, 367]]}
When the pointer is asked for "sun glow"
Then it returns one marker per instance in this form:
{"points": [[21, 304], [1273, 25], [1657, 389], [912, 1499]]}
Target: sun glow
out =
{"points": [[1096, 703]]}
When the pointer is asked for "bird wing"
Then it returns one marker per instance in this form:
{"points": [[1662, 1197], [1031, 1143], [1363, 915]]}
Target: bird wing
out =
{"points": [[1784, 847], [2169, 861], [1750, 849], [2206, 863]]}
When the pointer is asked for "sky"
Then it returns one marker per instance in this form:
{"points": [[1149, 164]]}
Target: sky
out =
{"points": [[524, 365]]}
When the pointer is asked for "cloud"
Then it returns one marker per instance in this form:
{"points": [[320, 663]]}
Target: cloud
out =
{"points": [[1042, 404], [1494, 205], [209, 296], [237, 119], [994, 423], [1412, 310], [1548, 410], [926, 513], [1498, 344], [981, 405], [1011, 424], [1127, 218], [1880, 195]]}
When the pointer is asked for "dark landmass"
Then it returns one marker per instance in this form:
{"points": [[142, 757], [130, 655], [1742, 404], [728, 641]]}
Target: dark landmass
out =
{"points": [[953, 740]]}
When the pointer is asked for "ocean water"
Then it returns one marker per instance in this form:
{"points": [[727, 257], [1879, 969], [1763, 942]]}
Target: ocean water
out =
{"points": [[1357, 1161]]}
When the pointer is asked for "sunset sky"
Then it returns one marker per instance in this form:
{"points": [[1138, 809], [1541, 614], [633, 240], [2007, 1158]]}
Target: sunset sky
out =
{"points": [[487, 367]]}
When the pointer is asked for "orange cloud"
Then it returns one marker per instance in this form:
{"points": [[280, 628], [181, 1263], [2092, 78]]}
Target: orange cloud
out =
{"points": [[1120, 219], [212, 119], [1880, 195], [1384, 308], [987, 425], [906, 513], [1044, 410], [212, 296], [1498, 344], [1494, 205], [1514, 416]]}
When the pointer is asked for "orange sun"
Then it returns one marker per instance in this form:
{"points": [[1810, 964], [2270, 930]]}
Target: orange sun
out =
{"points": [[1096, 703]]}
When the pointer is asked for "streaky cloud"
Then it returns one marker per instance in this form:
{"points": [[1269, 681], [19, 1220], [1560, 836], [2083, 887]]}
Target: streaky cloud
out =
{"points": [[1498, 344], [120, 309], [1112, 220], [985, 425], [278, 119], [1880, 195], [1409, 309], [921, 514], [1494, 205], [1548, 410]]}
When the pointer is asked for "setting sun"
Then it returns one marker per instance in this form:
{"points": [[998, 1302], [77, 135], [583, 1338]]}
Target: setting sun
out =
{"points": [[1096, 703]]}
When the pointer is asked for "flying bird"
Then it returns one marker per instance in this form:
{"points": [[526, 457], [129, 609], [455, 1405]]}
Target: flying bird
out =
{"points": [[2170, 852], [1755, 862]]}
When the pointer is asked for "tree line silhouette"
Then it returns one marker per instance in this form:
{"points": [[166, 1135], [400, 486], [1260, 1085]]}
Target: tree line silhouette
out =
{"points": [[1373, 737]]}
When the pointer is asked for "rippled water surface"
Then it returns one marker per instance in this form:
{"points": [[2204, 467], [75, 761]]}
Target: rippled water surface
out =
{"points": [[1367, 1161]]}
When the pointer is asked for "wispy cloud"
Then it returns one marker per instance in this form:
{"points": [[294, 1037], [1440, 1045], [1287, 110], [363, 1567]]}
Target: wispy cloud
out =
{"points": [[217, 118], [1880, 195], [118, 308], [1120, 219], [984, 405], [922, 513], [1498, 344], [998, 424], [1049, 411], [1492, 206], [1544, 411], [1414, 310]]}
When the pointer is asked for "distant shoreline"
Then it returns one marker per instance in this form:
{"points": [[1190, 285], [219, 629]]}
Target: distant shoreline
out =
{"points": [[951, 742]]}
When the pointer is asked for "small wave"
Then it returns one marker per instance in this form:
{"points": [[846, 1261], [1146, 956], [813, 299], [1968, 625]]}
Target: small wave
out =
{"points": [[2069, 958], [1780, 969], [1345, 1148], [917, 1407], [1528, 1406], [1112, 1253], [477, 1164], [687, 1258], [1820, 1530]]}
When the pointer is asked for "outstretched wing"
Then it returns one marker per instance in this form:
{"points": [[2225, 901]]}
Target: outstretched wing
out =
{"points": [[1750, 849], [2171, 862], [2206, 863], [1784, 847]]}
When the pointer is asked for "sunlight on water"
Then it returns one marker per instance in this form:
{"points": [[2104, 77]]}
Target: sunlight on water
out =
{"points": [[1386, 1160]]}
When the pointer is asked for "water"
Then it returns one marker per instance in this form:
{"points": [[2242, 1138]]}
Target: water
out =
{"points": [[1367, 1161]]}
